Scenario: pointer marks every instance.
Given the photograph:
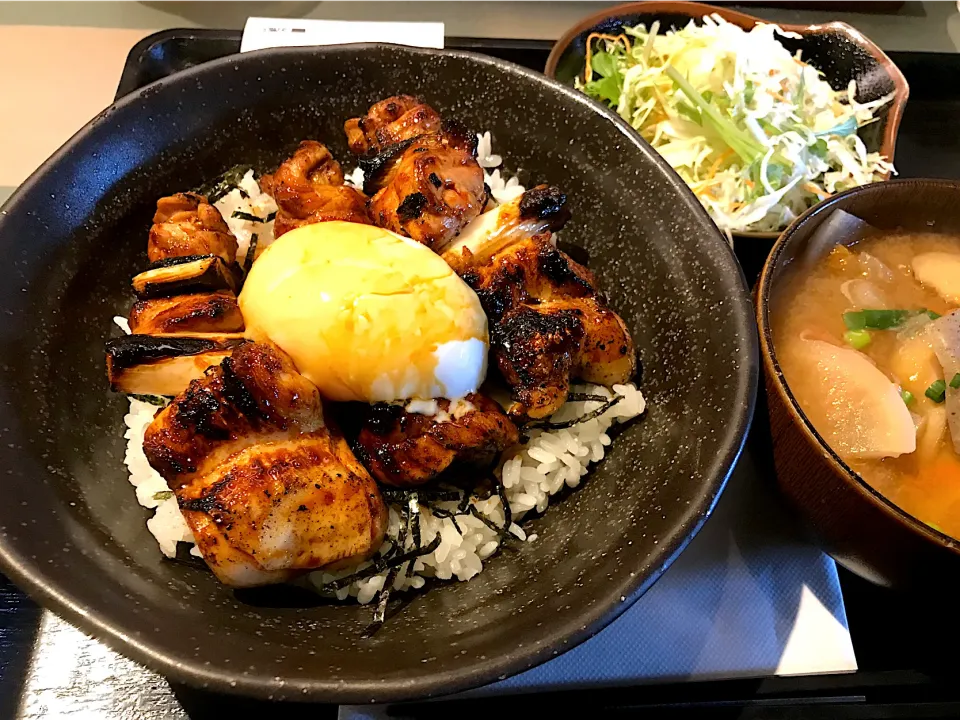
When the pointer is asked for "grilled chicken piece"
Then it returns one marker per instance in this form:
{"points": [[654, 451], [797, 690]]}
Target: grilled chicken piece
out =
{"points": [[389, 122], [214, 312], [308, 188], [548, 324], [427, 188], [268, 488], [186, 224], [406, 449]]}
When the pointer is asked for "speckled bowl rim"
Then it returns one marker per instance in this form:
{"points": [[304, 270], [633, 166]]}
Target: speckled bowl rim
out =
{"points": [[44, 588], [766, 288], [888, 146]]}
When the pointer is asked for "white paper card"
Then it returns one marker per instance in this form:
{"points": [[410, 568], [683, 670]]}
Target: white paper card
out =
{"points": [[261, 33]]}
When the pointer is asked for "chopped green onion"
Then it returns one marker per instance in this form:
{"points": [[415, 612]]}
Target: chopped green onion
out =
{"points": [[857, 339], [854, 321], [876, 319], [937, 391], [907, 396], [736, 139], [955, 382], [931, 314]]}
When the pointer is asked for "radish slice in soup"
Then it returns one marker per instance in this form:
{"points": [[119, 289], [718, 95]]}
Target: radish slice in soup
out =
{"points": [[947, 346], [853, 405], [941, 272], [863, 294]]}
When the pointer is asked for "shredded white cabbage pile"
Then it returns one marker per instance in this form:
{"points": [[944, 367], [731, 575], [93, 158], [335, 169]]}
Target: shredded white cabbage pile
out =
{"points": [[757, 134]]}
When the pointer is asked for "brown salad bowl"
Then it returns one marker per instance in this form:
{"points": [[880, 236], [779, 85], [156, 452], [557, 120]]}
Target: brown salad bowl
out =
{"points": [[859, 527], [836, 49]]}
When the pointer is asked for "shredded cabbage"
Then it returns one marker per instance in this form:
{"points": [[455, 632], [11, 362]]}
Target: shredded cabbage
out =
{"points": [[757, 134]]}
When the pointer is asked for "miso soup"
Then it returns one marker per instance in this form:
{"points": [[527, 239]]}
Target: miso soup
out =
{"points": [[869, 342]]}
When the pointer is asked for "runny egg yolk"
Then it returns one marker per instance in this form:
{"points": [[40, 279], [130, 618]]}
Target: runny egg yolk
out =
{"points": [[366, 314]]}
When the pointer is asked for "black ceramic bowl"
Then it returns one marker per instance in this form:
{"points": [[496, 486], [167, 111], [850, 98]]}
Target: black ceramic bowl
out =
{"points": [[859, 527], [836, 49], [74, 233]]}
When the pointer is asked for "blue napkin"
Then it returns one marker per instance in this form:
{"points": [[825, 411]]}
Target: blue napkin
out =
{"points": [[748, 597]]}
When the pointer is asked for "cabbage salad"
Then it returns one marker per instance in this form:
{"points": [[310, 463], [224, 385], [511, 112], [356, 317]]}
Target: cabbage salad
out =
{"points": [[757, 134]]}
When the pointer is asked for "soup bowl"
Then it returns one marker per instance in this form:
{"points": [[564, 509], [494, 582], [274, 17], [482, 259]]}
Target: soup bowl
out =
{"points": [[859, 527]]}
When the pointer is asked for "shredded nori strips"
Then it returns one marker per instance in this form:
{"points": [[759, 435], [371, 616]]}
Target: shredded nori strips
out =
{"points": [[250, 217], [442, 514], [383, 564], [547, 425], [251, 253], [413, 506], [383, 598], [223, 184], [401, 497], [586, 397]]}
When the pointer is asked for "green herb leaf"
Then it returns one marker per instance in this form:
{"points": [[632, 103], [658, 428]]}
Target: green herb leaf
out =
{"points": [[603, 63], [857, 339], [163, 495], [931, 314], [604, 89], [776, 174], [907, 396], [819, 148], [937, 391]]}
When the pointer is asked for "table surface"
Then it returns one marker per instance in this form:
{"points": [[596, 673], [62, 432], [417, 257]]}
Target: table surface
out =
{"points": [[88, 41]]}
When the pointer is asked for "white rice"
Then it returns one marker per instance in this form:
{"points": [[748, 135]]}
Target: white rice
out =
{"points": [[532, 474], [256, 203]]}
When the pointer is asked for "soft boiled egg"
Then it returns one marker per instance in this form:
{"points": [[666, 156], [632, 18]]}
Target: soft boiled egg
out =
{"points": [[366, 314]]}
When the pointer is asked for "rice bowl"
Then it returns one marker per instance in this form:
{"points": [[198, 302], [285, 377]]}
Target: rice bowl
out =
{"points": [[662, 475]]}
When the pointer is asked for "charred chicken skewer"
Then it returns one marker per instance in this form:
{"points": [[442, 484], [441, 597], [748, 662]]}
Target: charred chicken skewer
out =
{"points": [[389, 122], [406, 449], [422, 175], [268, 487], [308, 188], [186, 318], [548, 323], [186, 224]]}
